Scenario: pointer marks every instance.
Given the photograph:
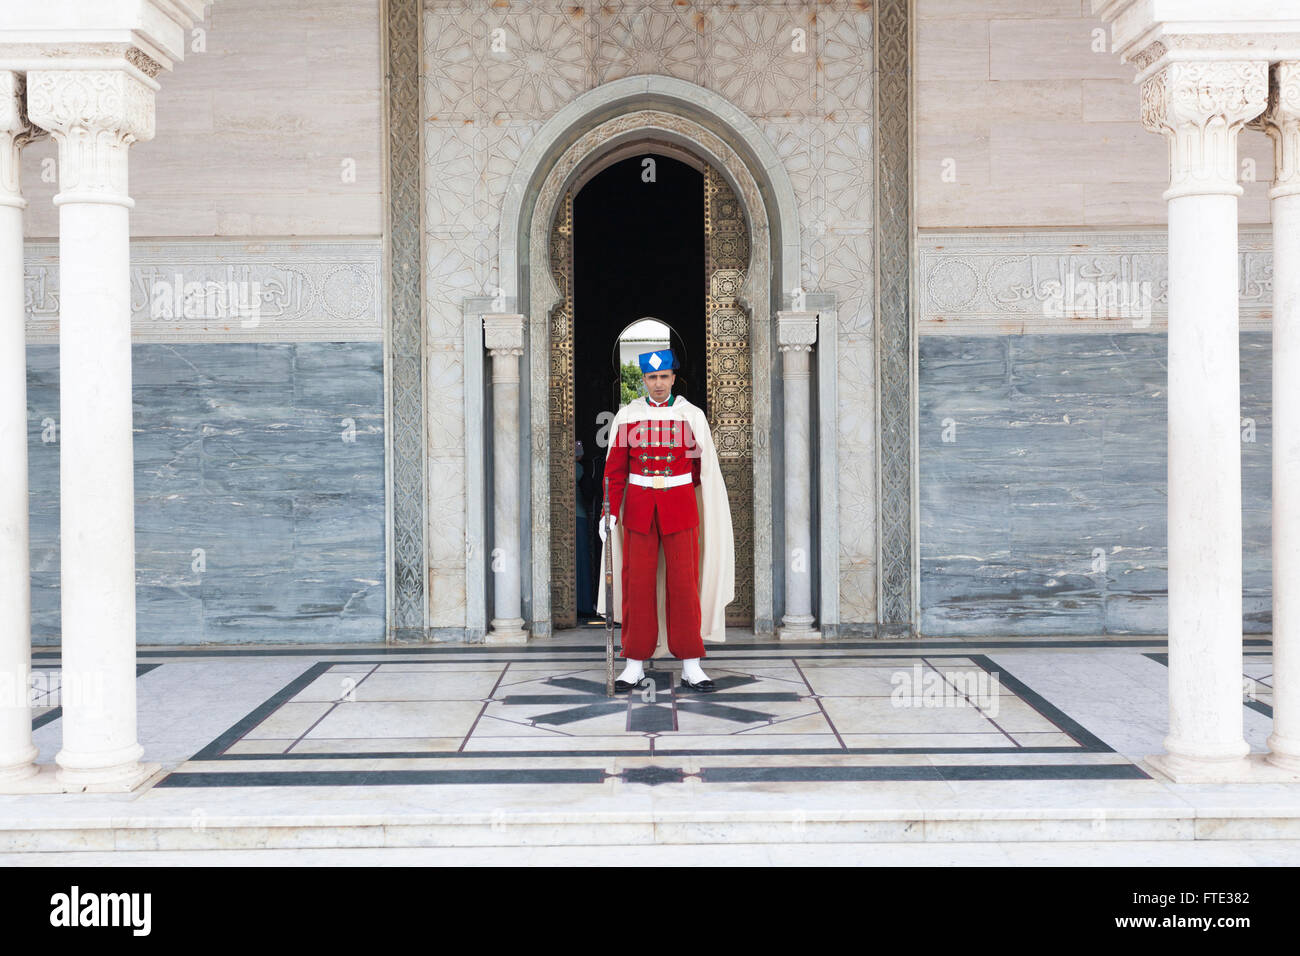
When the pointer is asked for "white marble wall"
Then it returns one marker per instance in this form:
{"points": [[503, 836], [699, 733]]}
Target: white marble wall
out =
{"points": [[482, 107], [1024, 120], [272, 129]]}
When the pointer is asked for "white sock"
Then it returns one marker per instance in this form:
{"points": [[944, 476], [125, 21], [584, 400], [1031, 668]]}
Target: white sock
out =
{"points": [[633, 672], [691, 671]]}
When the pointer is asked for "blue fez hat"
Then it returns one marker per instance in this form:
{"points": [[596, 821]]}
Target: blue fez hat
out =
{"points": [[656, 361]]}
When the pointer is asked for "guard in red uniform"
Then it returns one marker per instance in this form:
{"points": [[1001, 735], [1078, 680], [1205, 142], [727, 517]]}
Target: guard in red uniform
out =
{"points": [[656, 463]]}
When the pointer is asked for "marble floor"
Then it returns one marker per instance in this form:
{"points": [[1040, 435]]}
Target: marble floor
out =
{"points": [[537, 715], [939, 740]]}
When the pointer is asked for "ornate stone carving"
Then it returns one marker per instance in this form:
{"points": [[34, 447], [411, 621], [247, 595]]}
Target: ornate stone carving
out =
{"points": [[94, 116], [1282, 122], [1200, 106], [406, 430], [232, 291], [16, 131], [143, 62], [1149, 55], [503, 333], [1234, 42], [796, 331], [1015, 283], [730, 385], [494, 119], [561, 408], [893, 234]]}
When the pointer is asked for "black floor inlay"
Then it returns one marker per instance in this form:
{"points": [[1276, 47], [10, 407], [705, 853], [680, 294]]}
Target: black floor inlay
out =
{"points": [[980, 772]]}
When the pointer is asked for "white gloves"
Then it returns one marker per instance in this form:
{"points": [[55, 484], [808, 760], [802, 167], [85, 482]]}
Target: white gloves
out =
{"points": [[613, 523]]}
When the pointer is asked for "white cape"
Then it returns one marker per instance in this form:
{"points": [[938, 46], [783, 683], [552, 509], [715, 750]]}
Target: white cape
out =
{"points": [[717, 583]]}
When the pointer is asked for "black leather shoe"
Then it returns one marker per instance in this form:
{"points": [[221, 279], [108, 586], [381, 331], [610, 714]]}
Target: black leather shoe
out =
{"points": [[704, 687], [621, 686]]}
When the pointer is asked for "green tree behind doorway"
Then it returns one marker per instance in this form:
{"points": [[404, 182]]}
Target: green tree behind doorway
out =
{"points": [[632, 385]]}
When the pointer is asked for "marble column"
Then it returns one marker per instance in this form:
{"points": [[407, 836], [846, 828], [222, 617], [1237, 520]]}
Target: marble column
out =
{"points": [[17, 752], [503, 336], [95, 116], [1200, 106], [1282, 122], [796, 333]]}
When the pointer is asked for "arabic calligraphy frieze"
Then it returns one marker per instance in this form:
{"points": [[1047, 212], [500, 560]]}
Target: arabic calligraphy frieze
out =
{"points": [[323, 290], [1013, 283]]}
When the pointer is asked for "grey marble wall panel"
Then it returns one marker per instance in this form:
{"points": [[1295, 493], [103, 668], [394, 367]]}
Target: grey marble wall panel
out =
{"points": [[1057, 451], [259, 486], [1257, 481]]}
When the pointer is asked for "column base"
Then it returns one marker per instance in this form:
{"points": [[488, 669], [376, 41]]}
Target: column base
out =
{"points": [[44, 780], [120, 778], [48, 779], [507, 631], [16, 772], [142, 773], [1284, 753], [20, 763], [1250, 769], [798, 629]]}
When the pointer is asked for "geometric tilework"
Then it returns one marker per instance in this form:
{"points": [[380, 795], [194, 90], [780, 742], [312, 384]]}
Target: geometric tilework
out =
{"points": [[838, 713]]}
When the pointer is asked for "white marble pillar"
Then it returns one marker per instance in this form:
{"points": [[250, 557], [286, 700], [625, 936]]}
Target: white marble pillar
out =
{"points": [[1200, 106], [503, 336], [95, 116], [17, 752], [1282, 122], [796, 333]]}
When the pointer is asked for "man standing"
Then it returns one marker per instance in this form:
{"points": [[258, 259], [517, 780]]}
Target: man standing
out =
{"points": [[672, 548]]}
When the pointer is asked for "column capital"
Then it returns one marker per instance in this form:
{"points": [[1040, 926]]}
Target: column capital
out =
{"points": [[796, 331], [503, 333], [94, 116], [1200, 106], [1282, 122], [16, 131]]}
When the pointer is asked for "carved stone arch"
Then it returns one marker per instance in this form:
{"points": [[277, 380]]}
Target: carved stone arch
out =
{"points": [[710, 111], [537, 294]]}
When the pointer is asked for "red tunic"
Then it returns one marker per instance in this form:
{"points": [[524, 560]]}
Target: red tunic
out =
{"points": [[654, 447]]}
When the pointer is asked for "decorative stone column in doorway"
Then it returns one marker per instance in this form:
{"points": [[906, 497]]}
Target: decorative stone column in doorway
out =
{"points": [[796, 332], [503, 337]]}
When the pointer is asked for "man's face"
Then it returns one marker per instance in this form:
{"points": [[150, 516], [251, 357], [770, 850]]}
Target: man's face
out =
{"points": [[659, 384]]}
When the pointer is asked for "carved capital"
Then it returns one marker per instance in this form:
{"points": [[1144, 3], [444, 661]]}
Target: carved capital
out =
{"points": [[1200, 106], [16, 131], [796, 331], [94, 116], [1282, 122], [503, 333]]}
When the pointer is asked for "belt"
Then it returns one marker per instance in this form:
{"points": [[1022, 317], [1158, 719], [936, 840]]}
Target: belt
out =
{"points": [[660, 481]]}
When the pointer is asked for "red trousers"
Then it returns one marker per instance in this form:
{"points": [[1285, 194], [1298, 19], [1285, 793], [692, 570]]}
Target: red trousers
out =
{"points": [[640, 613]]}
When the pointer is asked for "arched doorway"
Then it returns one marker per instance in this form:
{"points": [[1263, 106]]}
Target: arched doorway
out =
{"points": [[647, 233], [687, 122]]}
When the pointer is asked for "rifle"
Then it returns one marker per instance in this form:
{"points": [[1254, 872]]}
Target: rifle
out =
{"points": [[609, 598]]}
